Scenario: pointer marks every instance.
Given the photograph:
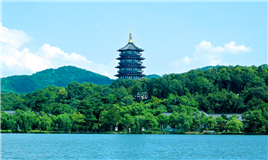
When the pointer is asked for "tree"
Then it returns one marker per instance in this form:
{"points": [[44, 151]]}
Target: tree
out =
{"points": [[43, 121], [162, 120], [7, 121], [54, 122], [139, 123], [95, 127], [128, 100], [150, 120], [127, 121], [174, 120], [77, 120], [110, 99], [224, 116], [74, 90], [159, 110], [211, 122], [254, 102], [234, 125], [110, 117], [256, 119], [220, 123], [121, 92], [59, 108], [64, 122], [25, 120], [11, 101], [225, 102], [198, 119], [185, 121], [256, 92], [87, 107], [201, 85], [137, 88]]}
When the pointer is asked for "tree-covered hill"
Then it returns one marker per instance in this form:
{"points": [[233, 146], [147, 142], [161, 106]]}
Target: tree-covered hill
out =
{"points": [[208, 67], [60, 77], [152, 76], [84, 106]]}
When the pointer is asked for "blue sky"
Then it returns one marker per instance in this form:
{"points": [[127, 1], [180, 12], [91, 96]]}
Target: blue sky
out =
{"points": [[176, 36]]}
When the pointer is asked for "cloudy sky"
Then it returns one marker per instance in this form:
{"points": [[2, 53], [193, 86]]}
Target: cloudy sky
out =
{"points": [[176, 36]]}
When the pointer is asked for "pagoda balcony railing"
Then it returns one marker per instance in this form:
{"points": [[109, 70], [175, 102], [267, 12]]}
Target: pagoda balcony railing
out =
{"points": [[130, 66], [130, 63], [129, 74], [130, 57], [130, 71], [129, 54]]}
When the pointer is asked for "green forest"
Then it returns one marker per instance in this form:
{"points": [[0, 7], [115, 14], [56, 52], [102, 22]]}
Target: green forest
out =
{"points": [[60, 77], [90, 108]]}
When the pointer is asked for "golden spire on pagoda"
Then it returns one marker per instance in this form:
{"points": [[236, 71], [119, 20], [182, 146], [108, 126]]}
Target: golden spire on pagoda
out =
{"points": [[130, 37]]}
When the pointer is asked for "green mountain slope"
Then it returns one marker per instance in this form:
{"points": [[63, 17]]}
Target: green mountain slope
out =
{"points": [[208, 67], [60, 77], [152, 76]]}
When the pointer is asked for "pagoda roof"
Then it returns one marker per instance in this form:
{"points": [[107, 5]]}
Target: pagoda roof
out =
{"points": [[131, 47]]}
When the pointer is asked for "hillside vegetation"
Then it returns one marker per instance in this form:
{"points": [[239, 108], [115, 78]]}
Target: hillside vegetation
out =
{"points": [[233, 89], [151, 76], [60, 77]]}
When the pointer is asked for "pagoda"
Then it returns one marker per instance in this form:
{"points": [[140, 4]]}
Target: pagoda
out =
{"points": [[130, 61]]}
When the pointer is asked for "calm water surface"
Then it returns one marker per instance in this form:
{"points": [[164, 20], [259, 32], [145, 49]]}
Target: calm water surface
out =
{"points": [[109, 146]]}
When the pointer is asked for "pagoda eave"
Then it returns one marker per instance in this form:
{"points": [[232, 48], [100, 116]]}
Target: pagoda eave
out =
{"points": [[139, 75], [121, 58], [139, 50], [130, 66]]}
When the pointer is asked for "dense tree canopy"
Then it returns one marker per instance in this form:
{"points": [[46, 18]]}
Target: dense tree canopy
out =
{"points": [[86, 106]]}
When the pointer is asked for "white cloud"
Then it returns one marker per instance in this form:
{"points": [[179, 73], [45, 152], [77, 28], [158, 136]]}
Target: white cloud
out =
{"points": [[229, 47], [207, 55], [186, 59], [235, 49], [22, 61]]}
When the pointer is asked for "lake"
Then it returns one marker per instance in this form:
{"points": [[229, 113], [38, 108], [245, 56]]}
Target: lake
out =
{"points": [[112, 146]]}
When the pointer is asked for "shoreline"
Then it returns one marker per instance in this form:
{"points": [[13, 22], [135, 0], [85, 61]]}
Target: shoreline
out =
{"points": [[185, 133]]}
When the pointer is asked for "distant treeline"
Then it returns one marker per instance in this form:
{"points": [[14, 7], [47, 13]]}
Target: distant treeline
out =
{"points": [[84, 107]]}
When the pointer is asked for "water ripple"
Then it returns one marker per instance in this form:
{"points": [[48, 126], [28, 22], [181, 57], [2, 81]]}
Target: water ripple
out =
{"points": [[90, 146]]}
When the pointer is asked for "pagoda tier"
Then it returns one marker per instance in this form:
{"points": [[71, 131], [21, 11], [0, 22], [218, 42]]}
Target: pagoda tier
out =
{"points": [[130, 65], [129, 74], [129, 71], [130, 57], [121, 66]]}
